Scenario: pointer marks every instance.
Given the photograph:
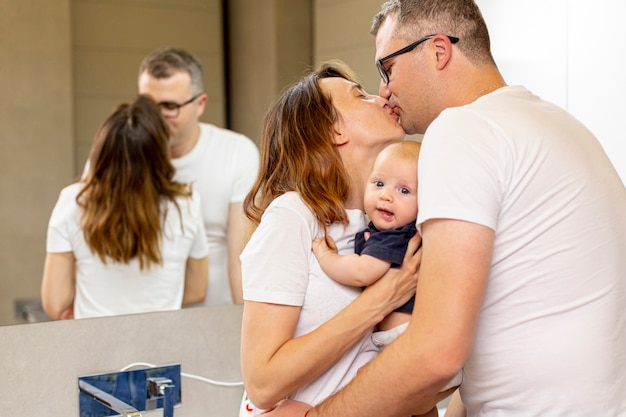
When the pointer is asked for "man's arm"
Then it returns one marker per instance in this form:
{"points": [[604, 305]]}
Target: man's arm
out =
{"points": [[236, 239], [455, 267], [196, 281]]}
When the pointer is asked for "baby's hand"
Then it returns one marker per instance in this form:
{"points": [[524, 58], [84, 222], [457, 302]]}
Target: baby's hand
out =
{"points": [[322, 246]]}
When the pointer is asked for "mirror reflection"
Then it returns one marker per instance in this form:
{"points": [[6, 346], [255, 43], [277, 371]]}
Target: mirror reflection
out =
{"points": [[77, 60], [67, 64]]}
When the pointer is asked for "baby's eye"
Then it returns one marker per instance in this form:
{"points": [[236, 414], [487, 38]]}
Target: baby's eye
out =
{"points": [[404, 190], [379, 183]]}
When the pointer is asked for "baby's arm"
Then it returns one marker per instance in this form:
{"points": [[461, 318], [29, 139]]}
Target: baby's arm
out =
{"points": [[351, 269]]}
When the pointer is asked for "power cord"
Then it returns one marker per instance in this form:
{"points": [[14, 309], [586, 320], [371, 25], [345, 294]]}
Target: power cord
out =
{"points": [[190, 376]]}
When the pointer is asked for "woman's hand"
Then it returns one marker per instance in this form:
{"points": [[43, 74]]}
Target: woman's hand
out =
{"points": [[398, 285]]}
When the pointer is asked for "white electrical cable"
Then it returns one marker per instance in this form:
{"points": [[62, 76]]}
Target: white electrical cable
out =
{"points": [[190, 376]]}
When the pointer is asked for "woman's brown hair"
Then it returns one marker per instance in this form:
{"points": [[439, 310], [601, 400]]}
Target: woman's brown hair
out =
{"points": [[130, 177], [298, 153]]}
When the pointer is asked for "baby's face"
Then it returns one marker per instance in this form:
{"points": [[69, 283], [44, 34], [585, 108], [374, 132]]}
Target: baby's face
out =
{"points": [[391, 193]]}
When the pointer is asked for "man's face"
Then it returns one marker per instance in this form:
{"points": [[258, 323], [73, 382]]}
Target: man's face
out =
{"points": [[408, 90], [176, 89]]}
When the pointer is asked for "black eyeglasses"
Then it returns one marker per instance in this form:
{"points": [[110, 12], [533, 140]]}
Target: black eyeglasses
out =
{"points": [[381, 68], [172, 109]]}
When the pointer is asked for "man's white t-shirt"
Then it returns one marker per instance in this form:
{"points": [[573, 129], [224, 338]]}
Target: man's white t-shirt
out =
{"points": [[551, 336], [221, 169]]}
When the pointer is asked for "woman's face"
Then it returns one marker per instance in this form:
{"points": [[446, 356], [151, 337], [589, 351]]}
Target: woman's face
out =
{"points": [[364, 120]]}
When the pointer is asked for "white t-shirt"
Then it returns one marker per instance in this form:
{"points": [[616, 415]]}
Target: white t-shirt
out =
{"points": [[551, 336], [279, 267], [113, 288], [221, 168]]}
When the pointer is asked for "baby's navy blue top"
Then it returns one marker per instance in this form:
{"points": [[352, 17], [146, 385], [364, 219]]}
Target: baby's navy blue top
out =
{"points": [[388, 245]]}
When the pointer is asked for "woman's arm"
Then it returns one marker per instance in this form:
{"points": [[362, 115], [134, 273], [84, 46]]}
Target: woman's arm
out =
{"points": [[349, 269], [58, 285], [274, 364], [196, 281]]}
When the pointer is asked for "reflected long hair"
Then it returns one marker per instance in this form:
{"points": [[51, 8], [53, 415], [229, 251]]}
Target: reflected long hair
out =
{"points": [[298, 153], [130, 177]]}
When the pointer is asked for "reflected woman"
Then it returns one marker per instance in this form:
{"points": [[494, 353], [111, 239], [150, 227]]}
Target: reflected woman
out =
{"points": [[126, 238]]}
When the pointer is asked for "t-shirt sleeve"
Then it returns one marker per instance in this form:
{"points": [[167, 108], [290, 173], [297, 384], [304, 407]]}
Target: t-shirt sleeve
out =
{"points": [[462, 166], [59, 226], [200, 246], [275, 263], [247, 166]]}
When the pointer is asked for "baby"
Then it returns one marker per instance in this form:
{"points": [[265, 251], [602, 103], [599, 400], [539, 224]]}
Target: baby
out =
{"points": [[390, 201]]}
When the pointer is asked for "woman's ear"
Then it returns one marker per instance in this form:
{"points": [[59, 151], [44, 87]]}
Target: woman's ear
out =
{"points": [[339, 138]]}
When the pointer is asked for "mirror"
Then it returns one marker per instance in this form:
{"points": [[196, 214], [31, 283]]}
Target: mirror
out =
{"points": [[77, 59], [67, 63]]}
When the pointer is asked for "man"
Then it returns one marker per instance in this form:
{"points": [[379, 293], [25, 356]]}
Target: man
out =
{"points": [[221, 165], [523, 274]]}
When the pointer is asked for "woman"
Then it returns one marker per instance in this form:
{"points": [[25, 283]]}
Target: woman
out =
{"points": [[127, 238], [304, 336]]}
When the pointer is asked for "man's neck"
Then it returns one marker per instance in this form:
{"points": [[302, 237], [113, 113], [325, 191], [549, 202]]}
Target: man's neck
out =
{"points": [[181, 149]]}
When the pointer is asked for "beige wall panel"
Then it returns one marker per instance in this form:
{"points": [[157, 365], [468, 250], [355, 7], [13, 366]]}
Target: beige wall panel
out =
{"points": [[360, 59], [341, 31], [105, 73], [130, 25], [36, 138], [339, 24], [271, 47]]}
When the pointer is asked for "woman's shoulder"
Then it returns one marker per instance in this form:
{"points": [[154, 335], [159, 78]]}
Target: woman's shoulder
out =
{"points": [[68, 194], [290, 200], [289, 208]]}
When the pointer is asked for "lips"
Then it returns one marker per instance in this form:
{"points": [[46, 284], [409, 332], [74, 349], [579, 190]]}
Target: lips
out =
{"points": [[394, 112], [385, 214]]}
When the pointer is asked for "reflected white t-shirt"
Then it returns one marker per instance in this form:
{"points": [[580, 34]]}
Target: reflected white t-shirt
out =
{"points": [[113, 288]]}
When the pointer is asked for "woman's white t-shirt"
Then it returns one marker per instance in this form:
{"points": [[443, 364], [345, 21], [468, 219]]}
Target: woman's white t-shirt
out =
{"points": [[106, 289], [279, 267]]}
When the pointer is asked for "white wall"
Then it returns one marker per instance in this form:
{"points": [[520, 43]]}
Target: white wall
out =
{"points": [[569, 52]]}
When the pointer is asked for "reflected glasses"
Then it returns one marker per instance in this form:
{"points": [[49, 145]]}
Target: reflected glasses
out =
{"points": [[383, 71], [172, 109]]}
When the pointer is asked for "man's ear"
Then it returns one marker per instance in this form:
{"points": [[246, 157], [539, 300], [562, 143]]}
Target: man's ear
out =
{"points": [[202, 100], [443, 50]]}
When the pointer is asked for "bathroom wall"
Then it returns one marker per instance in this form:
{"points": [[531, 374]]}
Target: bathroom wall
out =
{"points": [[269, 47], [110, 39], [41, 362], [341, 31], [37, 152]]}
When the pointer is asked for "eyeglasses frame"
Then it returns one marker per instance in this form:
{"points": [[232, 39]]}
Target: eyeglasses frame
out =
{"points": [[382, 71], [177, 106]]}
